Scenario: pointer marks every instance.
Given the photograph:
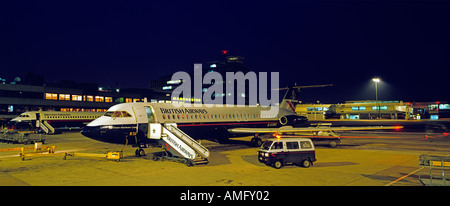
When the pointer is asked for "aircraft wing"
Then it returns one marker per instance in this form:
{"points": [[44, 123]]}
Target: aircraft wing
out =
{"points": [[290, 129]]}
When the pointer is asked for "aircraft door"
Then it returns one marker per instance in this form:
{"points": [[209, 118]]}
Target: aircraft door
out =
{"points": [[140, 114], [155, 131], [150, 114], [38, 119]]}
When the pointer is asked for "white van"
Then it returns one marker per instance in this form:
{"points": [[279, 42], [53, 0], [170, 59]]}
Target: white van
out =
{"points": [[280, 152]]}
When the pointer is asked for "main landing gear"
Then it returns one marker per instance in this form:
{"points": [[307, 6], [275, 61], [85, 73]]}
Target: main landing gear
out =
{"points": [[256, 142], [140, 152]]}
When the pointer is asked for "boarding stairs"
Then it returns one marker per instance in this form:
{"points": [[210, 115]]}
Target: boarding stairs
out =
{"points": [[46, 127], [177, 145]]}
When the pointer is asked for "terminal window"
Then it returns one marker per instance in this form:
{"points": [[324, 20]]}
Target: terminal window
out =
{"points": [[358, 108], [89, 98], [64, 96], [444, 106], [77, 98], [51, 96], [99, 99], [379, 108]]}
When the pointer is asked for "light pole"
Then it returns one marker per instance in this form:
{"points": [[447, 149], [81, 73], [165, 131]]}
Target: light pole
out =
{"points": [[377, 80]]}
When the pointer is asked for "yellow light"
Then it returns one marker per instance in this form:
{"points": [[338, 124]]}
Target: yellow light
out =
{"points": [[376, 80]]}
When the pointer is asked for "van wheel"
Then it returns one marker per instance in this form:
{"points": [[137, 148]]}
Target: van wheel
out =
{"points": [[278, 164], [306, 163]]}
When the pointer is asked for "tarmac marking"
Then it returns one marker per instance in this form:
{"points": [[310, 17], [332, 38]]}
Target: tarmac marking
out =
{"points": [[403, 177]]}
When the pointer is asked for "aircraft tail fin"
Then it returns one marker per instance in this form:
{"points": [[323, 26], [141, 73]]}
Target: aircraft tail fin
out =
{"points": [[291, 98]]}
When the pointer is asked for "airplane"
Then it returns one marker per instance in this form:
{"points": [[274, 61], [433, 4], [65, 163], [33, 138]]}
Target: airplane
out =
{"points": [[140, 123], [49, 120]]}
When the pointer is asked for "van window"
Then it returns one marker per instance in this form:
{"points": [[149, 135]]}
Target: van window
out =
{"points": [[292, 145], [305, 144], [277, 145], [266, 145]]}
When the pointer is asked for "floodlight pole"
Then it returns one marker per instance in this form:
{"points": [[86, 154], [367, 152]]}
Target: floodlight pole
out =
{"points": [[377, 80]]}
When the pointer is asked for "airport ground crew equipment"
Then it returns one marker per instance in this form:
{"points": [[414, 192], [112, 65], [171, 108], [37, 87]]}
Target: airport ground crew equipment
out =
{"points": [[434, 170], [117, 156], [21, 137], [282, 151], [39, 150], [177, 145]]}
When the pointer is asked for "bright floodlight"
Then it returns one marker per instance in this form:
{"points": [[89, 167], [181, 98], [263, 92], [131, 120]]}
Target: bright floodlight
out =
{"points": [[376, 80]]}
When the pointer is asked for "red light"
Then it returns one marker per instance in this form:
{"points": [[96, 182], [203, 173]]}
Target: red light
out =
{"points": [[398, 127], [438, 102], [224, 51]]}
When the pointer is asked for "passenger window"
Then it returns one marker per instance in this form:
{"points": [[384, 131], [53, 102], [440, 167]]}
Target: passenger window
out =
{"points": [[292, 145], [305, 145], [277, 145]]}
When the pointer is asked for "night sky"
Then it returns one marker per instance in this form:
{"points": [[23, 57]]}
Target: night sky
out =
{"points": [[346, 43]]}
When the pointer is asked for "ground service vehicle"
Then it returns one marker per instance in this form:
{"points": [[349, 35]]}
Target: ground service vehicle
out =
{"points": [[279, 152]]}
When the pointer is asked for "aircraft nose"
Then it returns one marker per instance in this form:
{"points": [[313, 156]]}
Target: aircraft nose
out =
{"points": [[91, 132]]}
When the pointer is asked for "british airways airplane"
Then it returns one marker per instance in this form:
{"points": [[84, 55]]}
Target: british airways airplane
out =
{"points": [[49, 121], [130, 121], [136, 123]]}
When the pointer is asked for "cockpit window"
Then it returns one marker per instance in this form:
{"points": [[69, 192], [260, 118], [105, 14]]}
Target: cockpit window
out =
{"points": [[24, 115], [125, 114], [108, 114], [115, 114]]}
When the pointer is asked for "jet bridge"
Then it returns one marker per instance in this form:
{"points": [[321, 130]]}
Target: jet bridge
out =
{"points": [[177, 145]]}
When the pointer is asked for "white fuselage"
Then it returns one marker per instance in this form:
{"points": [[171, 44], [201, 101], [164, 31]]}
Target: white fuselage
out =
{"points": [[55, 118], [132, 119]]}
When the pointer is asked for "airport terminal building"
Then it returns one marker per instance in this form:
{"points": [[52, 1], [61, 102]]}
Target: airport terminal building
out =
{"points": [[19, 97], [371, 109]]}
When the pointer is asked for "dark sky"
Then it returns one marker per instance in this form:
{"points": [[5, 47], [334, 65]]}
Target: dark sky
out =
{"points": [[406, 43]]}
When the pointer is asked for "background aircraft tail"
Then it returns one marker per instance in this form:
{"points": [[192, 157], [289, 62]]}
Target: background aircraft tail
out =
{"points": [[291, 98]]}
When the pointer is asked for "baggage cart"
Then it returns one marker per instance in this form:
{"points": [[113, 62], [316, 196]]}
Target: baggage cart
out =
{"points": [[434, 170]]}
